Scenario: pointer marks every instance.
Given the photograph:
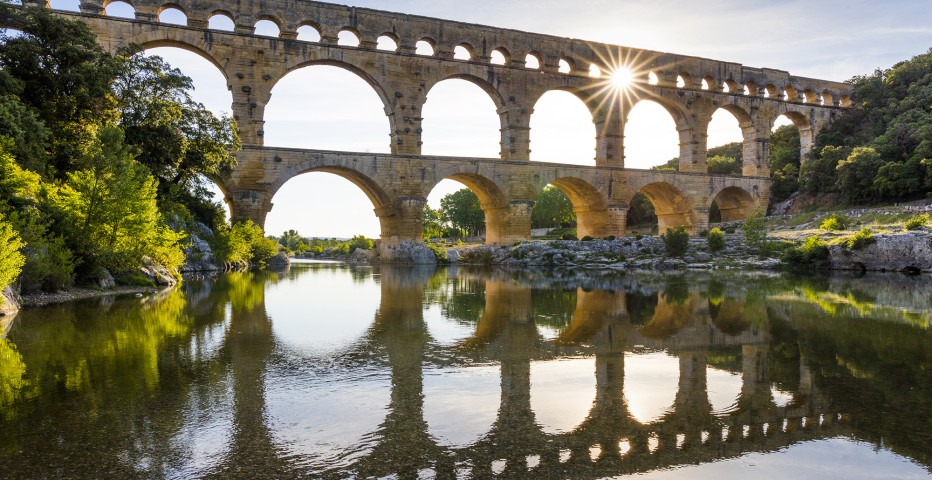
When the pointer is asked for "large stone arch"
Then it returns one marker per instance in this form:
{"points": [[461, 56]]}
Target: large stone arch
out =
{"points": [[593, 218], [534, 98], [493, 93], [692, 139], [734, 203], [806, 131], [672, 207], [376, 84], [752, 156], [175, 38], [505, 146], [492, 198]]}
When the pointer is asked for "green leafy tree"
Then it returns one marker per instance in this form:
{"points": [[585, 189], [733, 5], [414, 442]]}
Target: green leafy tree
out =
{"points": [[11, 260], [176, 138], [110, 208], [462, 210], [58, 70], [716, 239], [552, 209], [434, 223], [856, 174], [784, 163], [722, 165]]}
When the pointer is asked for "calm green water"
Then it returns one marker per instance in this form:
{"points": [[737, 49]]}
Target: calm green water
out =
{"points": [[328, 371]]}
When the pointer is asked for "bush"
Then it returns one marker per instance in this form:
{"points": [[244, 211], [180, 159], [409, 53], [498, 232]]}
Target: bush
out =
{"points": [[587, 238], [610, 237], [812, 254], [676, 241], [359, 241], [439, 252], [916, 222], [716, 239], [704, 232], [834, 223], [755, 229], [863, 238], [568, 236]]}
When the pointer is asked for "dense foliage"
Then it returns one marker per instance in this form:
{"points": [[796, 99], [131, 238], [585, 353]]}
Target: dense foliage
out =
{"points": [[552, 209], [102, 157], [881, 150], [677, 241]]}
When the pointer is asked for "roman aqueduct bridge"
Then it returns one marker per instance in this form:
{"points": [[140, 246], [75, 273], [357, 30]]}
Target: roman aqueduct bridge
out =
{"points": [[515, 69]]}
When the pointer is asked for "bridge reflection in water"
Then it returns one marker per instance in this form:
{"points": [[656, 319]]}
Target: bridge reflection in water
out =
{"points": [[462, 374], [609, 441]]}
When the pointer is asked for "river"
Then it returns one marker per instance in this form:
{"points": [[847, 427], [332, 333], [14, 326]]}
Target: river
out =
{"points": [[333, 371]]}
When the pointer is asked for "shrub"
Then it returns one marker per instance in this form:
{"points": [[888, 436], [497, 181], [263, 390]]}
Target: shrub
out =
{"points": [[812, 254], [716, 239], [587, 238], [359, 241], [914, 223], [755, 229], [859, 240], [676, 241], [705, 232], [568, 236], [610, 237], [439, 252], [834, 223]]}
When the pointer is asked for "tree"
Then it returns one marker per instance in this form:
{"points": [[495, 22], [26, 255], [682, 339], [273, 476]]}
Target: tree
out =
{"points": [[176, 138], [755, 229], [855, 177], [722, 165], [553, 209], [11, 260], [58, 70], [434, 223], [462, 210], [110, 209]]}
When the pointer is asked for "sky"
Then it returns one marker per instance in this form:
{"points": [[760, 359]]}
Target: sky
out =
{"points": [[329, 108]]}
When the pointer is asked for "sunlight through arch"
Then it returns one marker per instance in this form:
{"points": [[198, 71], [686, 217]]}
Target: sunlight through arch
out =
{"points": [[651, 383], [324, 205], [326, 107], [651, 137], [723, 129], [460, 119], [562, 130]]}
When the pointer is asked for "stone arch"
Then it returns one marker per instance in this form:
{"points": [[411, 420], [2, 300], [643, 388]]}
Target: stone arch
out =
{"points": [[220, 13], [539, 112], [734, 203], [810, 96], [567, 65], [497, 109], [670, 205], [428, 41], [157, 38], [380, 198], [684, 80], [708, 83], [344, 39], [491, 195], [172, 5], [589, 205], [379, 89], [506, 55], [468, 48], [828, 98], [751, 89], [749, 153], [129, 3], [690, 155], [391, 36], [790, 94], [533, 60], [806, 132]]}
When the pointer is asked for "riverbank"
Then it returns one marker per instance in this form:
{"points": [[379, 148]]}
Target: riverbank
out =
{"points": [[40, 299]]}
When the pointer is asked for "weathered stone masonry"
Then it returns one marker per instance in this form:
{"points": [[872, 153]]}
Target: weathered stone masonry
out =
{"points": [[398, 183]]}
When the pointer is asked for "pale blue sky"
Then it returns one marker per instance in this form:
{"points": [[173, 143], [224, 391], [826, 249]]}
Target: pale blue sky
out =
{"points": [[823, 39]]}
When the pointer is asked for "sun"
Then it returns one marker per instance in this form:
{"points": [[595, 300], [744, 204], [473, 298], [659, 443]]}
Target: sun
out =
{"points": [[622, 77]]}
